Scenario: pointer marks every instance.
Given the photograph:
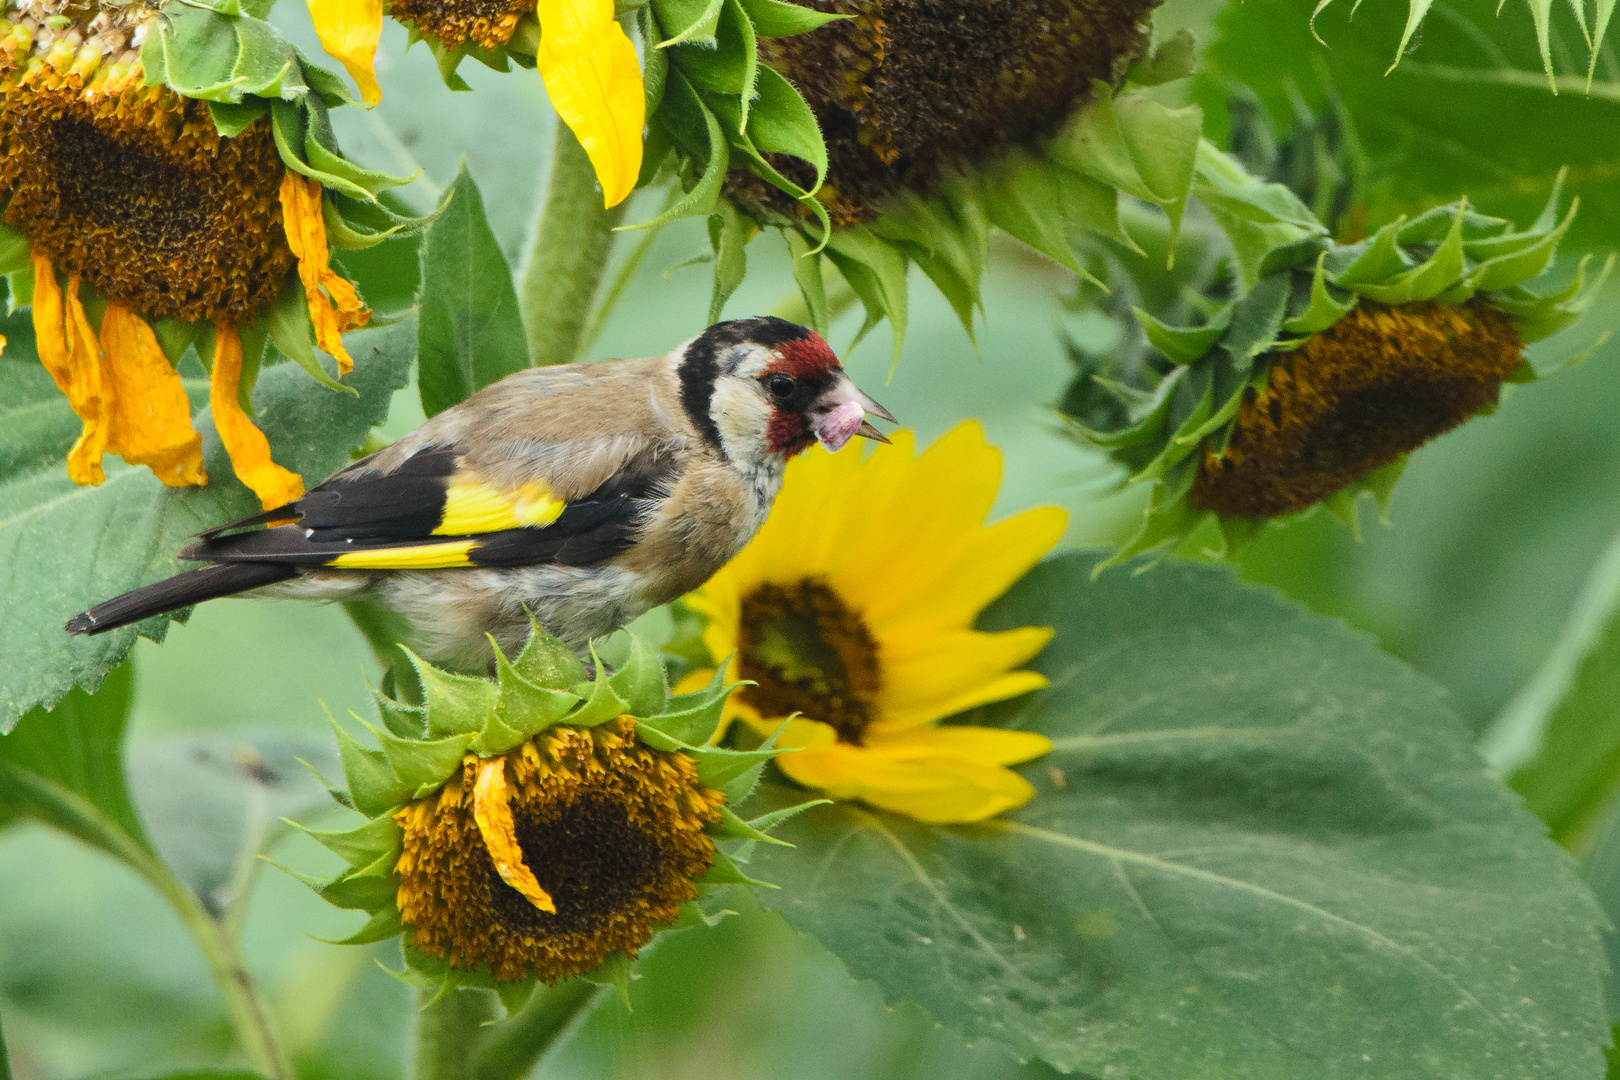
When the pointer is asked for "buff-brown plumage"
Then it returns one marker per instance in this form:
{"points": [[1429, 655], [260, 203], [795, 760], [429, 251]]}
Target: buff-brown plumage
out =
{"points": [[582, 495]]}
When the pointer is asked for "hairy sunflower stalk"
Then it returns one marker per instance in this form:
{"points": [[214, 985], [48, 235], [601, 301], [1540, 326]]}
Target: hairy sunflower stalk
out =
{"points": [[159, 196]]}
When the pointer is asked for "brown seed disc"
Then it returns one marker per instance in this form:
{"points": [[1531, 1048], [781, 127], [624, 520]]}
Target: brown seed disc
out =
{"points": [[1377, 384], [138, 192]]}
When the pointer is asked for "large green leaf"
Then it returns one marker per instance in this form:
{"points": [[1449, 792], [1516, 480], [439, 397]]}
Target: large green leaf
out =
{"points": [[1259, 848], [66, 547], [1468, 112], [469, 331], [76, 748]]}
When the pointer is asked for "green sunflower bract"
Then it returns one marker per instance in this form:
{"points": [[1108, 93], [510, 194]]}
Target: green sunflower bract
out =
{"points": [[539, 826], [1335, 362]]}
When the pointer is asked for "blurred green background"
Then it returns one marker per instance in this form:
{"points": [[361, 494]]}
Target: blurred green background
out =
{"points": [[1492, 532]]}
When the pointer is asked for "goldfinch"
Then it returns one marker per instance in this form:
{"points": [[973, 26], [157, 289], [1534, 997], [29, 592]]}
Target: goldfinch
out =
{"points": [[585, 494]]}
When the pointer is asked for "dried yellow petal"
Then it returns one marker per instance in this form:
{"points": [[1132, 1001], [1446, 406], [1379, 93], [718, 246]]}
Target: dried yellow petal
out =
{"points": [[334, 306], [149, 415], [493, 813], [70, 354], [246, 444]]}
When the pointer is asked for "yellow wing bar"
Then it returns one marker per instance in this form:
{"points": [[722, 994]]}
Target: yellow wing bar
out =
{"points": [[476, 507], [418, 557]]}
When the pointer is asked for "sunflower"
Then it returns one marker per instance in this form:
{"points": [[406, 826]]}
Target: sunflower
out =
{"points": [[587, 61], [151, 221], [901, 131], [1332, 364], [538, 826], [852, 614]]}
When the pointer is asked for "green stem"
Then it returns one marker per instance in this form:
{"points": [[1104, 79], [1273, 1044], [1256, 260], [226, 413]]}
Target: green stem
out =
{"points": [[568, 256], [249, 1014], [550, 1013], [449, 1027]]}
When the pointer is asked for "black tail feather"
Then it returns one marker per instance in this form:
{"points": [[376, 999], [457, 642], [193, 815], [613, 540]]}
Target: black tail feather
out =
{"points": [[182, 590]]}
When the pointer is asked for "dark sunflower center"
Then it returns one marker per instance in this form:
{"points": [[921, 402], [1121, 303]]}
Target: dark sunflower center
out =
{"points": [[138, 193], [906, 90], [1377, 384], [489, 23], [587, 855], [809, 653], [110, 185]]}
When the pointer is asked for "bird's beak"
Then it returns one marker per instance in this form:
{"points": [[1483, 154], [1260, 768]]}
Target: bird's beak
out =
{"points": [[839, 415]]}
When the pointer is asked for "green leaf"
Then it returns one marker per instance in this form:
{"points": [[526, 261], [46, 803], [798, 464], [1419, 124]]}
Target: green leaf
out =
{"points": [[1570, 713], [285, 320], [877, 273], [1260, 847], [808, 277], [729, 233], [688, 20], [772, 18], [79, 746], [1468, 113], [468, 333], [68, 547], [702, 198]]}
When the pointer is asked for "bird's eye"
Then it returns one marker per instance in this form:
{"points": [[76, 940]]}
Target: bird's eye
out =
{"points": [[780, 386]]}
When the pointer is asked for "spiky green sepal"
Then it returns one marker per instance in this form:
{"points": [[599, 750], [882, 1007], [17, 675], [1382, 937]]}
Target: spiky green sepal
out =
{"points": [[1166, 410], [418, 748], [1122, 145]]}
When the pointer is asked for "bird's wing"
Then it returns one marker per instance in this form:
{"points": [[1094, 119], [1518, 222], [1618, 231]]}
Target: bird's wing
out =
{"points": [[435, 509]]}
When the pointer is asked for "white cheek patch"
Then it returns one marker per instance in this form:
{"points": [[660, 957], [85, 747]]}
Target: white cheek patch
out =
{"points": [[741, 414]]}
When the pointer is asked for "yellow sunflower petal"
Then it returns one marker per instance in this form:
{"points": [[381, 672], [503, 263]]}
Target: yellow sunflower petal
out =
{"points": [[349, 31], [246, 444], [334, 306], [591, 75], [937, 790], [983, 569], [991, 746], [931, 668], [493, 812], [70, 352], [1002, 688], [149, 415], [946, 495]]}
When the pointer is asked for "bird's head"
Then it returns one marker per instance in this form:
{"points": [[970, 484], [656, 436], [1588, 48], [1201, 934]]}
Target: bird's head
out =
{"points": [[763, 388]]}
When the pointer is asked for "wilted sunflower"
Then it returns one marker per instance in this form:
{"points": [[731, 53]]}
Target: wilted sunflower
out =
{"points": [[902, 131], [150, 215], [853, 610], [538, 826], [583, 54], [1328, 369]]}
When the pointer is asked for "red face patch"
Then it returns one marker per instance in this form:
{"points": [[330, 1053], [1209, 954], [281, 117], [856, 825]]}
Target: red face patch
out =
{"points": [[787, 433], [809, 358]]}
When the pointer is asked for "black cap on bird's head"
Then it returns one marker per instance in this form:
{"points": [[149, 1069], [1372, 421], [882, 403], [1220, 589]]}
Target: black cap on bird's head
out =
{"points": [[797, 393]]}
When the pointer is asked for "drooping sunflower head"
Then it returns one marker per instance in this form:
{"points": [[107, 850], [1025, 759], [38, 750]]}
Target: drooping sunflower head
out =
{"points": [[131, 186], [854, 609], [168, 173], [1318, 380], [907, 91], [539, 826]]}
